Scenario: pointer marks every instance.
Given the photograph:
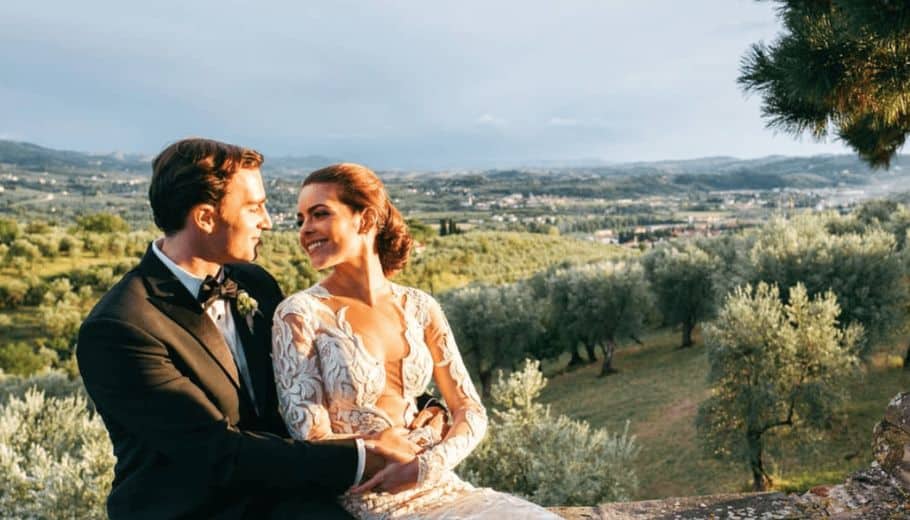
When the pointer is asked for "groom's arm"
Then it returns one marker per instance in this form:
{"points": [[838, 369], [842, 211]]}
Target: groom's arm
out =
{"points": [[136, 387]]}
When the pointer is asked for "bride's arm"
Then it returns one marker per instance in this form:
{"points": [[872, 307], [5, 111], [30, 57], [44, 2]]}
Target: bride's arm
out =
{"points": [[298, 379], [469, 419]]}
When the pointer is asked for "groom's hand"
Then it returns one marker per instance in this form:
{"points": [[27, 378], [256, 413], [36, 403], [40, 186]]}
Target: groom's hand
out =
{"points": [[394, 478], [392, 445]]}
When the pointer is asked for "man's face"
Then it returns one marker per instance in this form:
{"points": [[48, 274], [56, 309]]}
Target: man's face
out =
{"points": [[241, 218]]}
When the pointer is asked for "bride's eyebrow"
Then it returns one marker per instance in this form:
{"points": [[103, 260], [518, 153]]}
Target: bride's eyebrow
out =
{"points": [[312, 209]]}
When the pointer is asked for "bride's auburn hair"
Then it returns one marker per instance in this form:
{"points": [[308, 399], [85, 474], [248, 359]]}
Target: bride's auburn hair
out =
{"points": [[362, 189]]}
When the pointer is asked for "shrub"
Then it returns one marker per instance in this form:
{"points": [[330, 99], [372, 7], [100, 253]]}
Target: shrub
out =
{"points": [[69, 246], [23, 359], [56, 459], [9, 230], [52, 383], [102, 223], [37, 227], [22, 248], [550, 460], [12, 293]]}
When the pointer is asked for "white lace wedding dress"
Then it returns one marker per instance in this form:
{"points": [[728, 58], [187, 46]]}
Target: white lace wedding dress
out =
{"points": [[328, 384]]}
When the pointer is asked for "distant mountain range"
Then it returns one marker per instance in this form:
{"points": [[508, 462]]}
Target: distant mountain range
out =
{"points": [[28, 156], [32, 157], [703, 173]]}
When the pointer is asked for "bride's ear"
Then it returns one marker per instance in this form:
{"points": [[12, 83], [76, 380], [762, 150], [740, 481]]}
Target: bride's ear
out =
{"points": [[368, 220]]}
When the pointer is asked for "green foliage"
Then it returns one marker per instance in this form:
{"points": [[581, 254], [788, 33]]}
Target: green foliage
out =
{"points": [[841, 66], [37, 227], [9, 230], [454, 261], [551, 460], [420, 231], [772, 365], [69, 246], [22, 359], [594, 305], [12, 293], [23, 248], [281, 254], [495, 326], [864, 271], [102, 223], [56, 460], [683, 281]]}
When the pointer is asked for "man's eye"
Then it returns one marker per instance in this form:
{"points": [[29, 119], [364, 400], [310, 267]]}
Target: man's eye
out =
{"points": [[299, 223]]}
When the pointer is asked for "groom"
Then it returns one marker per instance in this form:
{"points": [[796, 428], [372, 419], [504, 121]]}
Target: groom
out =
{"points": [[176, 359]]}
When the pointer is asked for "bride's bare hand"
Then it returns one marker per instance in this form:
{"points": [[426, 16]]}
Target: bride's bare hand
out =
{"points": [[392, 445], [394, 478], [433, 417]]}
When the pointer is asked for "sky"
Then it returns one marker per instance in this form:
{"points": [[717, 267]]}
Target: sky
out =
{"points": [[393, 84]]}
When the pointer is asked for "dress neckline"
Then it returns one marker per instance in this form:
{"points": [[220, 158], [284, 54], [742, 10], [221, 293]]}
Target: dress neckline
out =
{"points": [[319, 291]]}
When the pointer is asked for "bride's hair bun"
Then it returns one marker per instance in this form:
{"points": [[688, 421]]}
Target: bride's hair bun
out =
{"points": [[362, 189]]}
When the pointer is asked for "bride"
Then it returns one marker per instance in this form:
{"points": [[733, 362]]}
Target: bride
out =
{"points": [[352, 353]]}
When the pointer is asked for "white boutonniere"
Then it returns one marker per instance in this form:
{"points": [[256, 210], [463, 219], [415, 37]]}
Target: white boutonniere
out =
{"points": [[248, 307]]}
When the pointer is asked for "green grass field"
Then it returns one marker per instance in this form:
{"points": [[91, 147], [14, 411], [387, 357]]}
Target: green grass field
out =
{"points": [[658, 388]]}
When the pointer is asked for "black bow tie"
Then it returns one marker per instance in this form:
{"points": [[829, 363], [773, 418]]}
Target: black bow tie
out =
{"points": [[211, 290]]}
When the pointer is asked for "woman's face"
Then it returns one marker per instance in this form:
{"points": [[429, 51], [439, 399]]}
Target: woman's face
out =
{"points": [[329, 229]]}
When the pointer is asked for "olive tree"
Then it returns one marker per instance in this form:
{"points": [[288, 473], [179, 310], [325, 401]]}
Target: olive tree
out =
{"points": [[495, 326], [683, 281], [552, 293], [772, 365], [602, 303], [864, 270]]}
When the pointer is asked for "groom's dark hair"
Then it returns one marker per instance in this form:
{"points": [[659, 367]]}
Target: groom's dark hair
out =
{"points": [[193, 171]]}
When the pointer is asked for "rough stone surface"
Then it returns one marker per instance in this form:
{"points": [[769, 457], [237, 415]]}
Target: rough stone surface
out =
{"points": [[891, 440], [870, 493], [730, 506]]}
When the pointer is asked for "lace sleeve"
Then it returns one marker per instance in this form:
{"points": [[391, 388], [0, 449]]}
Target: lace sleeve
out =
{"points": [[298, 379], [469, 419]]}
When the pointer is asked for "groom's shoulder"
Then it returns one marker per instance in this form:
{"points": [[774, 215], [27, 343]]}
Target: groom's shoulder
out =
{"points": [[125, 297]]}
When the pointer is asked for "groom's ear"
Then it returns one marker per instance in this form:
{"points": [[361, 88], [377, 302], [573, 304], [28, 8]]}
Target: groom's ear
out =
{"points": [[203, 216]]}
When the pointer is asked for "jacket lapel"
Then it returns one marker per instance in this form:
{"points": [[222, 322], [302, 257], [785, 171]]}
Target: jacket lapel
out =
{"points": [[254, 349], [171, 297]]}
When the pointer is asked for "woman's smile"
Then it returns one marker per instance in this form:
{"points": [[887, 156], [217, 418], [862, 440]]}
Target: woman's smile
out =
{"points": [[315, 245]]}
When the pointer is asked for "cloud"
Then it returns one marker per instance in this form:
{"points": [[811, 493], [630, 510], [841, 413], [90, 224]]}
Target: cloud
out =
{"points": [[563, 121], [491, 120]]}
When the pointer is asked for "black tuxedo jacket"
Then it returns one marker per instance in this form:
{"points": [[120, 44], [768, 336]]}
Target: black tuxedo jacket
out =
{"points": [[188, 440]]}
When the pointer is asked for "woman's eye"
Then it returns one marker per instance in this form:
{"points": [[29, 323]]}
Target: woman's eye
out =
{"points": [[299, 223]]}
